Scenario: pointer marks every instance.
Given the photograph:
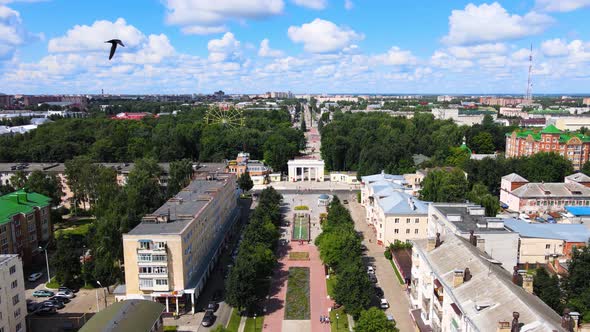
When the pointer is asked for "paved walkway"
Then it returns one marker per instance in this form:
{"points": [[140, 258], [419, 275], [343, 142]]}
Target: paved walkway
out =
{"points": [[319, 302], [394, 292]]}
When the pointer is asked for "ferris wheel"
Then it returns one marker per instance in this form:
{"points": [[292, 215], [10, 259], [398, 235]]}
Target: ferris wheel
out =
{"points": [[227, 117]]}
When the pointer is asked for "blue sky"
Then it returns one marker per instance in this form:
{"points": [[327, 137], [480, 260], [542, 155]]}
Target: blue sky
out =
{"points": [[305, 46]]}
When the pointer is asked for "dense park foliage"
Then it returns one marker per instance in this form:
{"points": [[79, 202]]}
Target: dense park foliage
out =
{"points": [[374, 320], [265, 134], [340, 249], [248, 281], [371, 142]]}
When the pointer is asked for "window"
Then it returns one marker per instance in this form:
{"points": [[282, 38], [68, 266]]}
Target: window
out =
{"points": [[145, 269], [160, 270], [380, 225], [547, 246], [416, 231], [13, 269], [158, 258], [144, 258], [160, 245], [14, 284], [19, 327], [397, 220], [408, 231], [144, 283], [417, 220], [144, 245], [396, 231], [15, 300], [162, 282], [17, 313], [407, 220]]}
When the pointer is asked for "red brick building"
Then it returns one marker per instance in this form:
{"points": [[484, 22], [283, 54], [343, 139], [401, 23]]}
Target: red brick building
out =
{"points": [[574, 147]]}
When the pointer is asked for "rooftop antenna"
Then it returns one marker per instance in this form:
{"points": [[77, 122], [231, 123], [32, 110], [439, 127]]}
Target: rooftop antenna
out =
{"points": [[529, 87]]}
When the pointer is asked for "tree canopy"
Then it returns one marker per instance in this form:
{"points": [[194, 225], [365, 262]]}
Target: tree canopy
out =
{"points": [[374, 320]]}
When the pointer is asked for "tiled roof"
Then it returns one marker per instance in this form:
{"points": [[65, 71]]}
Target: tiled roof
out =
{"points": [[513, 177]]}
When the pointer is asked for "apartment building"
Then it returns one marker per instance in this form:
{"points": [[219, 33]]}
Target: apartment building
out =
{"points": [[523, 196], [494, 101], [391, 211], [259, 172], [468, 221], [170, 254], [25, 223], [574, 147], [456, 287], [13, 303]]}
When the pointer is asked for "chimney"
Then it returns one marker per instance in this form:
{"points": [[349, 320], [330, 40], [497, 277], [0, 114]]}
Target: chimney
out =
{"points": [[472, 239], [481, 244], [458, 276], [438, 241], [527, 283], [466, 275], [503, 327], [431, 244], [516, 277], [515, 324]]}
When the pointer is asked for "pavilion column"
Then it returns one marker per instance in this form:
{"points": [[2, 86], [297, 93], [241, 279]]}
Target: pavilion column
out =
{"points": [[167, 305]]}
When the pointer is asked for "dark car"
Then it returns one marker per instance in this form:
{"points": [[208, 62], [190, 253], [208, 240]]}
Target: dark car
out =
{"points": [[379, 292], [46, 311], [67, 289], [53, 303], [345, 201], [212, 305], [372, 278], [61, 299], [32, 306], [209, 318]]}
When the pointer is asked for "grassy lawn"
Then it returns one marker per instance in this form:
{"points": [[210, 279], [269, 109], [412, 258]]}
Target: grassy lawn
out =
{"points": [[301, 207], [170, 328], [298, 256], [234, 321], [78, 227], [250, 324], [301, 228], [330, 284], [297, 294], [340, 325], [397, 274]]}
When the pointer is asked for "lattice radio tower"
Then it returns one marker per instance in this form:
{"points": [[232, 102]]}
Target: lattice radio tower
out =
{"points": [[529, 86]]}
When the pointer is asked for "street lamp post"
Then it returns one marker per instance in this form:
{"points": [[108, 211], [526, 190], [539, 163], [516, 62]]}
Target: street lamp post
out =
{"points": [[337, 320], [254, 321], [104, 293], [47, 263]]}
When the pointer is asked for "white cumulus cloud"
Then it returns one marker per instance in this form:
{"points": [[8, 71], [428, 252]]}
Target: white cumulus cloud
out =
{"points": [[321, 36], [227, 48], [554, 47], [470, 52], [12, 32], [312, 4], [491, 23], [561, 5], [266, 51], [395, 57], [82, 38], [209, 16]]}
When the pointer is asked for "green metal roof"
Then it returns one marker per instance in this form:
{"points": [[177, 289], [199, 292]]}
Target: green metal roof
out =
{"points": [[123, 316], [20, 202], [550, 129]]}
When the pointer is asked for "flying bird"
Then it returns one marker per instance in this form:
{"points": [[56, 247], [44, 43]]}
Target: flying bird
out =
{"points": [[114, 43]]}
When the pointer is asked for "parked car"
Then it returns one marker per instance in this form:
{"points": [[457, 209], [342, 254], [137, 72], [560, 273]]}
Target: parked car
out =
{"points": [[378, 291], [372, 278], [384, 304], [61, 299], [209, 318], [67, 289], [67, 294], [212, 305], [53, 303], [43, 293], [46, 311], [370, 269], [32, 306], [35, 276]]}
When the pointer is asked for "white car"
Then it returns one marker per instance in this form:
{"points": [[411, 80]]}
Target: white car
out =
{"points": [[384, 304], [67, 294], [35, 276], [370, 269]]}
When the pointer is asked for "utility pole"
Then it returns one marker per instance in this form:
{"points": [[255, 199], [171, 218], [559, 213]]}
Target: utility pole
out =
{"points": [[529, 87]]}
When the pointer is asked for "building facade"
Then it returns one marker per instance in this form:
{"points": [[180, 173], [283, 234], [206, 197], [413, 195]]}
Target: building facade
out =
{"points": [[170, 254], [128, 315], [259, 172], [13, 302], [25, 224], [494, 101], [522, 196], [455, 287], [573, 147]]}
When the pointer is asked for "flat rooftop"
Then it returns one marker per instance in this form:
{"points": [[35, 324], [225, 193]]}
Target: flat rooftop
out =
{"points": [[183, 208], [460, 216], [6, 258]]}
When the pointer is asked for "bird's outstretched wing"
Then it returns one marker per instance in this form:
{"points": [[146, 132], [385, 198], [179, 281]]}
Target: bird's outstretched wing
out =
{"points": [[113, 48]]}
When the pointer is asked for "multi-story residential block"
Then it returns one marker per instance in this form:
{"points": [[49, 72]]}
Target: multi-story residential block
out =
{"points": [[391, 211], [469, 222], [13, 302], [444, 98], [520, 195], [25, 223], [170, 254], [6, 101], [542, 243], [573, 147], [259, 172], [493, 101], [456, 287], [515, 112]]}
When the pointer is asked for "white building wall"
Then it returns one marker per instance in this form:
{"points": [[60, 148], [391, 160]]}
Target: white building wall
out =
{"points": [[13, 308]]}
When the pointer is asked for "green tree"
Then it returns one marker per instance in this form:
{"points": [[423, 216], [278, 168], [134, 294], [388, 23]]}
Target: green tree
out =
{"points": [[181, 172], [303, 125], [278, 150], [144, 193], [245, 182], [443, 186], [374, 320], [577, 284], [458, 157], [18, 179], [483, 143], [479, 195], [586, 168], [241, 286], [353, 288], [66, 261], [547, 288], [337, 246], [46, 184]]}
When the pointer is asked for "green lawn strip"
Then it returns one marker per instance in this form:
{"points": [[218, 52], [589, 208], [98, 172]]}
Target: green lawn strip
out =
{"points": [[330, 283], [397, 274], [234, 320], [250, 324], [338, 325], [301, 208], [79, 227], [170, 328], [299, 256], [297, 306]]}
